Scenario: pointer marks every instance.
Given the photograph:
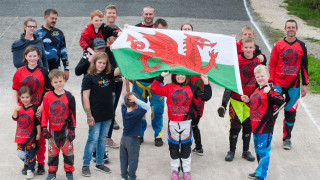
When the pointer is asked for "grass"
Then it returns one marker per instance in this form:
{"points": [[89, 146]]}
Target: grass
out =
{"points": [[304, 10], [313, 40], [314, 75]]}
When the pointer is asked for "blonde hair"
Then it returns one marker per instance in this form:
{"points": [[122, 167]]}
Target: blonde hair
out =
{"points": [[261, 68], [247, 40], [96, 13], [111, 6], [56, 73], [97, 56], [248, 28]]}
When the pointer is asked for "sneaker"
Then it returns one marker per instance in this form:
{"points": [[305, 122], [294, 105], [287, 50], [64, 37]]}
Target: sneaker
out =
{"points": [[198, 151], [247, 155], [252, 175], [141, 140], [186, 176], [175, 175], [30, 174], [102, 168], [287, 144], [24, 170], [41, 170], [221, 111], [51, 176], [69, 176], [116, 125], [229, 156], [111, 143], [158, 142], [106, 157], [86, 171]]}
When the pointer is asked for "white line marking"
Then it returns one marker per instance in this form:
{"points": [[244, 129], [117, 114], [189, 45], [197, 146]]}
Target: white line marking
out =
{"points": [[8, 27], [266, 42]]}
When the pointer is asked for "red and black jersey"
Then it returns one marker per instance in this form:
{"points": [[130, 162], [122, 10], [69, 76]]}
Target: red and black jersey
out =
{"points": [[285, 63], [37, 79], [262, 108], [142, 25], [179, 98], [59, 110], [248, 81], [256, 52], [198, 104], [27, 123], [88, 35]]}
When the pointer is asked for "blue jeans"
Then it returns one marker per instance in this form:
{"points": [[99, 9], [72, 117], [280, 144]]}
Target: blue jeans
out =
{"points": [[96, 138], [27, 153], [129, 156], [262, 145], [143, 90]]}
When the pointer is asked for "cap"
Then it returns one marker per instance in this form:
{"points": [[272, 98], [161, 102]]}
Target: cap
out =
{"points": [[99, 43]]}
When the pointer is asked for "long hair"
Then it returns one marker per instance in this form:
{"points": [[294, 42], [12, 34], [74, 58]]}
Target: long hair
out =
{"points": [[30, 48], [187, 82], [97, 56], [25, 23]]}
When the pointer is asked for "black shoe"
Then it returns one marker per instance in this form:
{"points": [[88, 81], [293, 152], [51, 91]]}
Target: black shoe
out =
{"points": [[229, 156], [24, 170], [103, 168], [252, 175], [116, 125], [198, 151], [287, 144], [221, 111], [69, 175], [41, 170], [247, 155], [141, 140], [158, 142], [86, 171], [105, 157]]}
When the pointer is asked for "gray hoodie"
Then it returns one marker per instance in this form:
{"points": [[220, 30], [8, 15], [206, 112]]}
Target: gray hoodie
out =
{"points": [[20, 45]]}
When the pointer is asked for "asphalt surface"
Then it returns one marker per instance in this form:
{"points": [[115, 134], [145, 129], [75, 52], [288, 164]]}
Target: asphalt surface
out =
{"points": [[222, 17]]}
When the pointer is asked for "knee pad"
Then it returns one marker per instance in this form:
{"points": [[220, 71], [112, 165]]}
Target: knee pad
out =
{"points": [[290, 116], [234, 131], [174, 151], [185, 150], [22, 155]]}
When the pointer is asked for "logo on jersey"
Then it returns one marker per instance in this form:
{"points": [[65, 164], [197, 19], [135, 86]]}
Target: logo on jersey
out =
{"points": [[247, 70], [55, 33], [179, 97], [24, 121], [290, 57], [255, 102], [32, 82], [57, 108]]}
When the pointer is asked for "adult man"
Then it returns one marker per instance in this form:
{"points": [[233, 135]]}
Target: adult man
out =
{"points": [[148, 14], [288, 58], [111, 14], [54, 42], [143, 89]]}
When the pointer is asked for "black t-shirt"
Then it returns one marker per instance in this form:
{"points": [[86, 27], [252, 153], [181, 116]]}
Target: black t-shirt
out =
{"points": [[101, 103]]}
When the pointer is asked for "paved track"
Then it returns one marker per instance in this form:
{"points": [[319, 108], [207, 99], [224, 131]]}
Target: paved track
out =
{"points": [[223, 17]]}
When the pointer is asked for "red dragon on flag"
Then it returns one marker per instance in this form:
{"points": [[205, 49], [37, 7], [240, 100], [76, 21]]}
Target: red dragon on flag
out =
{"points": [[166, 48]]}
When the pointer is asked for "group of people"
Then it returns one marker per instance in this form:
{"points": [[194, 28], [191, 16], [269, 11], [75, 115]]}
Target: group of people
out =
{"points": [[40, 98]]}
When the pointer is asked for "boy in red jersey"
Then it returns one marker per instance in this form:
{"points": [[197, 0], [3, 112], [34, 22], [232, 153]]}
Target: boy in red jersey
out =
{"points": [[59, 108], [262, 101], [289, 58], [239, 112]]}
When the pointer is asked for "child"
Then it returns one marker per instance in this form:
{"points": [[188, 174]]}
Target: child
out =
{"points": [[247, 32], [98, 104], [239, 112], [96, 29], [59, 108], [36, 77], [198, 105], [132, 110], [28, 130], [262, 101], [180, 94]]}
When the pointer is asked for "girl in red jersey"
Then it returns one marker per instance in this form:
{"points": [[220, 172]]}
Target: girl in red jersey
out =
{"points": [[28, 130], [36, 78], [180, 94]]}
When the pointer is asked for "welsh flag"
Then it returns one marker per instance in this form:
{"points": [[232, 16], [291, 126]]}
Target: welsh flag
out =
{"points": [[143, 53]]}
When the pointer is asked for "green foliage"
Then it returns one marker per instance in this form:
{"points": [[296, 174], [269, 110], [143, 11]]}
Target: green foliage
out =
{"points": [[308, 10], [314, 74], [313, 40]]}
